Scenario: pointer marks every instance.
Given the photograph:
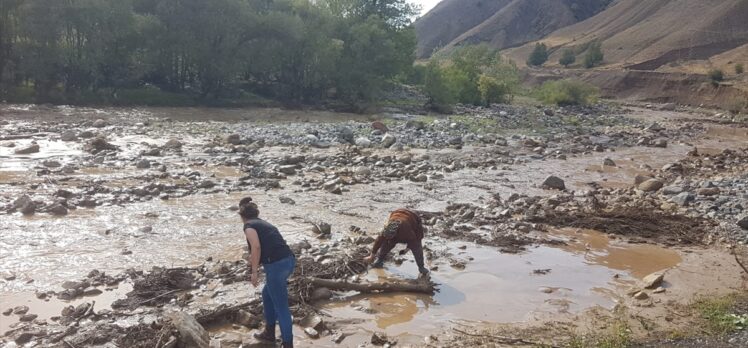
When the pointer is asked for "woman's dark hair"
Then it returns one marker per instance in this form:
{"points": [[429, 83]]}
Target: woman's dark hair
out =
{"points": [[247, 209]]}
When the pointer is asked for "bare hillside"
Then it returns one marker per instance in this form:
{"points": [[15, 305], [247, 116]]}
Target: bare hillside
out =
{"points": [[650, 34], [501, 23], [450, 19]]}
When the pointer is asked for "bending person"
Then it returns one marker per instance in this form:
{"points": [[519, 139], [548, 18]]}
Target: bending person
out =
{"points": [[406, 227]]}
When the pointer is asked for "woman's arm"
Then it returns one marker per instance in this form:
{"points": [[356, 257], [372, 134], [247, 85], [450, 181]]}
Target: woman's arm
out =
{"points": [[254, 257]]}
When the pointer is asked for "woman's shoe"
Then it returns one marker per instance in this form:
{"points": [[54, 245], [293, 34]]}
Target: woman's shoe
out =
{"points": [[265, 335]]}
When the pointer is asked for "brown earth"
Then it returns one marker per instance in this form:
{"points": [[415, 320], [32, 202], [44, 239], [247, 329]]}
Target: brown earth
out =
{"points": [[501, 24]]}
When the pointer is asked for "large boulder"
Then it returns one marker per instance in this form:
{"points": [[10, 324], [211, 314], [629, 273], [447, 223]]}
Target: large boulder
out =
{"points": [[191, 333], [651, 185], [554, 183]]}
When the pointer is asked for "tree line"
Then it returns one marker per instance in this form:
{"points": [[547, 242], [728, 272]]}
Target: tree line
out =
{"points": [[294, 51]]}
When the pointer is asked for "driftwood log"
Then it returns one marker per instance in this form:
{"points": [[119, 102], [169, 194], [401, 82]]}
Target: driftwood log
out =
{"points": [[420, 286]]}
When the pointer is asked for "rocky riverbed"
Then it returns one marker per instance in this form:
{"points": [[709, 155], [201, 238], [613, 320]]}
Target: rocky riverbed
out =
{"points": [[115, 220]]}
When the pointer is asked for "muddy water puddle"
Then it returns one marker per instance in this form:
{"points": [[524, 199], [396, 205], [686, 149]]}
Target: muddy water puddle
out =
{"points": [[544, 281]]}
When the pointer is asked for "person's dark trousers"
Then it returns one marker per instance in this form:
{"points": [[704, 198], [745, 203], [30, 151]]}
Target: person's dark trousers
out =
{"points": [[275, 297]]}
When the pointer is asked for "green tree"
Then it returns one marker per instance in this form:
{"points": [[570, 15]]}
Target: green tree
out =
{"points": [[538, 56], [8, 33], [594, 54], [567, 57], [739, 69], [441, 95]]}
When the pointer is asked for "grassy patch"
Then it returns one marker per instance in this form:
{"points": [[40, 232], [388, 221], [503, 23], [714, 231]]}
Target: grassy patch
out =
{"points": [[618, 335], [717, 317]]}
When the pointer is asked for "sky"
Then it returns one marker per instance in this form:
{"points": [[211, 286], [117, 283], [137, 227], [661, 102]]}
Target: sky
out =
{"points": [[426, 4]]}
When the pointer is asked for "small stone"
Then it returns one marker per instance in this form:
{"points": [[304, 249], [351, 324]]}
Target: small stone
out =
{"points": [[57, 209], [554, 182], [287, 169], [659, 290], [286, 200], [682, 199], [609, 162], [191, 333], [388, 140], [143, 164], [379, 339], [743, 223], [338, 337], [651, 185], [653, 280], [68, 135], [708, 191], [672, 190], [311, 332], [8, 312], [51, 164], [33, 148], [380, 126], [20, 310], [28, 317], [320, 294], [660, 143], [234, 139], [363, 171], [363, 142], [641, 295], [638, 179], [173, 144], [99, 123], [549, 112]]}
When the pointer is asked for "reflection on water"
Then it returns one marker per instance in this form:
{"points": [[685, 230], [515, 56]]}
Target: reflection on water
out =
{"points": [[639, 260], [499, 287]]}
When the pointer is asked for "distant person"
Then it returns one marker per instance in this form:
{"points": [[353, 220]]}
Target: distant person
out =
{"points": [[267, 246], [403, 226]]}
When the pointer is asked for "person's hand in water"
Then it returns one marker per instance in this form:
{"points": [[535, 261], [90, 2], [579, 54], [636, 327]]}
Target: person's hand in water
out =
{"points": [[369, 259]]}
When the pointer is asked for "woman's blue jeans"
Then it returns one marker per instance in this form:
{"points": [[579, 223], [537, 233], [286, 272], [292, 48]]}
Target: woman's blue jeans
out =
{"points": [[275, 296]]}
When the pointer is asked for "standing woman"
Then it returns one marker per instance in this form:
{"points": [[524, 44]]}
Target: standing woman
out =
{"points": [[268, 247]]}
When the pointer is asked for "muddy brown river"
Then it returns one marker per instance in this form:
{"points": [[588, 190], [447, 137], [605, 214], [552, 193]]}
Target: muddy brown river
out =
{"points": [[589, 270]]}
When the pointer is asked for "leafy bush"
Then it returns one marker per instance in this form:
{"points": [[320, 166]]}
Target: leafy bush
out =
{"points": [[567, 58], [739, 69], [457, 78], [492, 90], [567, 92], [716, 75], [538, 56], [594, 54]]}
